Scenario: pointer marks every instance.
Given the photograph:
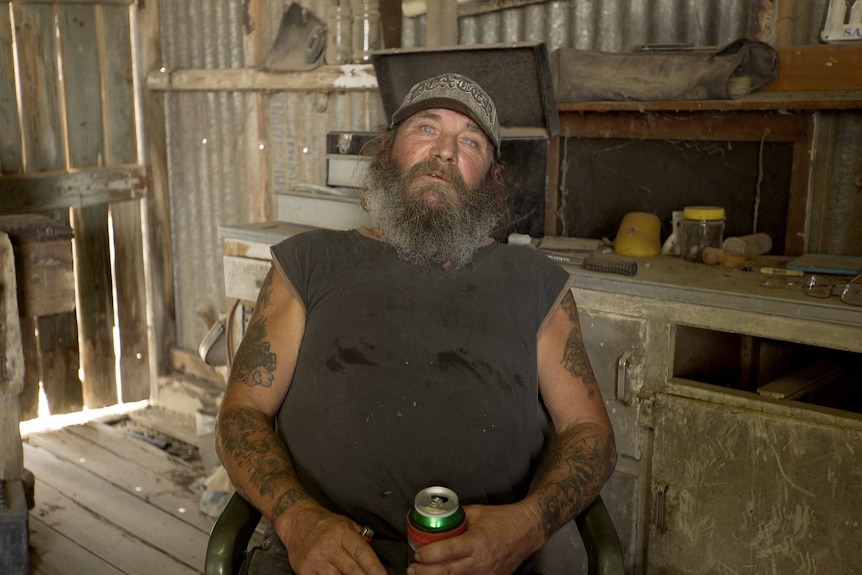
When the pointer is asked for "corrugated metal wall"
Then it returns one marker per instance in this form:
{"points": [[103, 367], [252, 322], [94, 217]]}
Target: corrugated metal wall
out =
{"points": [[206, 147], [609, 25], [206, 176]]}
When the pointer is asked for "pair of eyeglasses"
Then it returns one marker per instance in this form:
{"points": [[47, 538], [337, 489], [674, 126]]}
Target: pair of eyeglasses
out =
{"points": [[823, 287]]}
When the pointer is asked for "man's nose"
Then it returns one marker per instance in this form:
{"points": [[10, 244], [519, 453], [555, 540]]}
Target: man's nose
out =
{"points": [[445, 148]]}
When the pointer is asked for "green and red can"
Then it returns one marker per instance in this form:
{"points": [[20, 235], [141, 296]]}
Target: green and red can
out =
{"points": [[436, 515]]}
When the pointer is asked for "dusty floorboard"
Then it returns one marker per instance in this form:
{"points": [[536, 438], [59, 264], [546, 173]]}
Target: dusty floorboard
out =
{"points": [[109, 503]]}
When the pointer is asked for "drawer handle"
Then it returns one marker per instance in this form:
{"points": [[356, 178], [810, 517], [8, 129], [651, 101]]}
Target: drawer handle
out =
{"points": [[623, 377]]}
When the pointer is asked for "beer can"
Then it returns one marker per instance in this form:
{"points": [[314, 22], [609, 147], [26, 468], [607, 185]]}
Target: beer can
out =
{"points": [[436, 515]]}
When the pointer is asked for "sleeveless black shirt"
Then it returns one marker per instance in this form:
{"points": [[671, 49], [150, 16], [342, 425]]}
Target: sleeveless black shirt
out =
{"points": [[410, 377]]}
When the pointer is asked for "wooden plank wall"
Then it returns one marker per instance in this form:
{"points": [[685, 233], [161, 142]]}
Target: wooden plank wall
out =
{"points": [[68, 149], [158, 228], [10, 130]]}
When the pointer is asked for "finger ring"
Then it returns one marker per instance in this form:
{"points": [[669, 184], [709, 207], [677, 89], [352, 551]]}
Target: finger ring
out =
{"points": [[367, 533]]}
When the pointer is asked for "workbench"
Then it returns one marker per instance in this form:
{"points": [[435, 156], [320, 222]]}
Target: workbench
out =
{"points": [[711, 469], [717, 466]]}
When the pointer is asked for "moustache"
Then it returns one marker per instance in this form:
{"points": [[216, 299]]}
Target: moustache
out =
{"points": [[448, 173]]}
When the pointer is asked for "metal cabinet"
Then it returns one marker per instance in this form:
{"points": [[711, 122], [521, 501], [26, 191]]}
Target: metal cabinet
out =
{"points": [[715, 475], [615, 346], [742, 491]]}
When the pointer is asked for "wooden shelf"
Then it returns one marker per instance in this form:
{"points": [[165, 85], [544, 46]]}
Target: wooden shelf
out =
{"points": [[761, 101], [348, 77], [810, 77]]}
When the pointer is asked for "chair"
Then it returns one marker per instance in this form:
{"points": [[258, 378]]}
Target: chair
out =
{"points": [[237, 522]]}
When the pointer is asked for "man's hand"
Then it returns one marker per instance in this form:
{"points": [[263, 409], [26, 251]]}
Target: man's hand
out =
{"points": [[498, 539], [321, 542]]}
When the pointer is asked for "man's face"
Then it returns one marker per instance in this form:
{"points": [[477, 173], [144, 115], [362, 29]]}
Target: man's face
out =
{"points": [[431, 191], [442, 146]]}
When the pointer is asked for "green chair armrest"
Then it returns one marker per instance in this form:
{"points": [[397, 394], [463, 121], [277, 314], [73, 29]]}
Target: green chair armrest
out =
{"points": [[604, 551], [230, 536]]}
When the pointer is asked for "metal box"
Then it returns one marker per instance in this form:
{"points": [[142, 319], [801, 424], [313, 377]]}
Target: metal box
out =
{"points": [[346, 160], [518, 78], [14, 554]]}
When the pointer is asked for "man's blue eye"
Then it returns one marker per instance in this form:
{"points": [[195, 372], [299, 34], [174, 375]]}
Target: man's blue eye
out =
{"points": [[427, 128]]}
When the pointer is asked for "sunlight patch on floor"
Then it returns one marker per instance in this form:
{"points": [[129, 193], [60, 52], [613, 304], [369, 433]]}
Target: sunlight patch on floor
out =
{"points": [[52, 422]]}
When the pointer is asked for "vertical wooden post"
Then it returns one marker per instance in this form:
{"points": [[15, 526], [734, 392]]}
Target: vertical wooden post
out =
{"points": [[120, 135], [800, 188], [552, 191], [11, 367], [390, 21], [129, 274], [156, 217], [825, 141], [95, 305], [788, 17], [11, 151], [256, 164], [442, 23]]}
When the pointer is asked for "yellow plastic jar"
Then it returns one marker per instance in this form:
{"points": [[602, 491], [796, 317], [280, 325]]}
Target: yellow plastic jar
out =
{"points": [[702, 227]]}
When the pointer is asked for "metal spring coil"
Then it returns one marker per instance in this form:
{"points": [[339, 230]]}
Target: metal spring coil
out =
{"points": [[599, 263]]}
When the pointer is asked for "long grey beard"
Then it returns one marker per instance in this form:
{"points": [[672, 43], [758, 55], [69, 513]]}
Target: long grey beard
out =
{"points": [[428, 236]]}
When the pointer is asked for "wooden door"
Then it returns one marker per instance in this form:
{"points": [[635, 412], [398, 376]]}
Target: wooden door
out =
{"points": [[68, 150]]}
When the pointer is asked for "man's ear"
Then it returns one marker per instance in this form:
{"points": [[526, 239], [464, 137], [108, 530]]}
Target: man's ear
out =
{"points": [[496, 170]]}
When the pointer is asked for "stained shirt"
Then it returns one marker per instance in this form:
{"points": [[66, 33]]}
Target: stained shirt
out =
{"points": [[409, 377]]}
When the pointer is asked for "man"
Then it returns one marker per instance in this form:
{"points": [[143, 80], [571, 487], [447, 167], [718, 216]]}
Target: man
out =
{"points": [[380, 362]]}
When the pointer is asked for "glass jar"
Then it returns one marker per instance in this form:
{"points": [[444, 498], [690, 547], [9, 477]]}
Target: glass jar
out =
{"points": [[339, 48], [366, 33], [702, 227]]}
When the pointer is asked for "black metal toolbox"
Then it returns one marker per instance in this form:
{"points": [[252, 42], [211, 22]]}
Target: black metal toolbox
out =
{"points": [[517, 76]]}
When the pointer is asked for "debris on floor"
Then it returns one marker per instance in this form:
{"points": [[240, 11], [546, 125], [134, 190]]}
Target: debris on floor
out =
{"points": [[217, 491]]}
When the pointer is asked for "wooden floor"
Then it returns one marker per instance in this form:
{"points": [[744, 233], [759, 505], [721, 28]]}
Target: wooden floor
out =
{"points": [[108, 503]]}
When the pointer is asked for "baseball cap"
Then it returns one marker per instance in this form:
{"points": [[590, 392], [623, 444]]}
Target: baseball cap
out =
{"points": [[454, 92]]}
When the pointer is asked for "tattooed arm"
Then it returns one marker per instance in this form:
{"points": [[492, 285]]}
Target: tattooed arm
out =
{"points": [[499, 538], [256, 459], [584, 455]]}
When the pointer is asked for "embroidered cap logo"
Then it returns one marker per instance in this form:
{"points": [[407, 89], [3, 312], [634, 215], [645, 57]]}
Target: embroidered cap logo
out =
{"points": [[455, 92]]}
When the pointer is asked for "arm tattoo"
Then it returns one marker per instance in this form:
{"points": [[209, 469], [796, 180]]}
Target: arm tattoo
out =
{"points": [[573, 474], [254, 363], [247, 438], [575, 359]]}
